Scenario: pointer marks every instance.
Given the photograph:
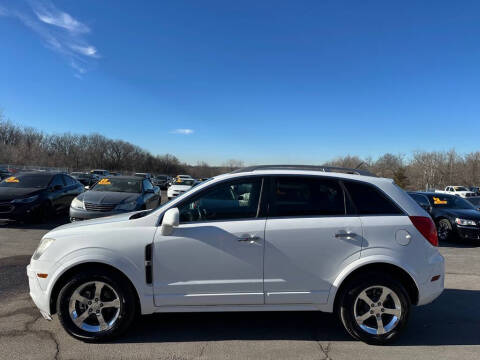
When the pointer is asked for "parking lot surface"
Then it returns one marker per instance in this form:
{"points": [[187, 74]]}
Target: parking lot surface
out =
{"points": [[449, 328]]}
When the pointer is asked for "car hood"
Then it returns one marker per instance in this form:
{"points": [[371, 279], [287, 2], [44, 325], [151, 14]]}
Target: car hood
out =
{"points": [[107, 197], [464, 213], [10, 193], [97, 221]]}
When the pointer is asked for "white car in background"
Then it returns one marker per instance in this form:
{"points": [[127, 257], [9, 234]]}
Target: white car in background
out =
{"points": [[461, 191], [265, 238], [178, 188]]}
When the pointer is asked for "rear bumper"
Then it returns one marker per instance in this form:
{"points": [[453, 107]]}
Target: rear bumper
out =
{"points": [[433, 287]]}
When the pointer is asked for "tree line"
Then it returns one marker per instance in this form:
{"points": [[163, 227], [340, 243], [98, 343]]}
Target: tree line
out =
{"points": [[21, 145]]}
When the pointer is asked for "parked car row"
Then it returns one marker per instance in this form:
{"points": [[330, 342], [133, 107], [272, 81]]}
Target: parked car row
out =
{"points": [[37, 196], [454, 216]]}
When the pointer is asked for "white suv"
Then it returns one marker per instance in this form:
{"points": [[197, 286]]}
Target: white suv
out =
{"points": [[264, 238]]}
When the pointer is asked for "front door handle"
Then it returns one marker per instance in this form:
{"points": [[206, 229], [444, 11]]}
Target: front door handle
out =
{"points": [[345, 235], [249, 238]]}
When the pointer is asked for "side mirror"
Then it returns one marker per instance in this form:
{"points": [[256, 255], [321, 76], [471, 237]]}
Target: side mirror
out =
{"points": [[427, 208], [171, 219], [57, 187]]}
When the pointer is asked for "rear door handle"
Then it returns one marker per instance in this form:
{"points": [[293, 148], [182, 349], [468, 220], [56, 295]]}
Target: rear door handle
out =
{"points": [[251, 239]]}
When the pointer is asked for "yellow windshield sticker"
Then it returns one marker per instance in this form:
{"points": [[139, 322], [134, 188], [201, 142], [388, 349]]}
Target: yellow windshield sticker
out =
{"points": [[12, 179], [437, 201], [104, 181]]}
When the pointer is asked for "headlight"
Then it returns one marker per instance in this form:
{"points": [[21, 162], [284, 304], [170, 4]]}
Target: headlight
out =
{"points": [[465, 222], [44, 244], [127, 206], [25, 200], [78, 204]]}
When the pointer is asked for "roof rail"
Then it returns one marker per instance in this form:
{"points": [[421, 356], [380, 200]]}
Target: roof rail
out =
{"points": [[306, 167]]}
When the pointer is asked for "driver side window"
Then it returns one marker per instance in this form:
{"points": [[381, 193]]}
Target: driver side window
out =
{"points": [[226, 201]]}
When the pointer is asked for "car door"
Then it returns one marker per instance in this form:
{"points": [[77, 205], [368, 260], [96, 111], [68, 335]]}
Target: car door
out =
{"points": [[57, 196], [71, 189], [215, 255], [149, 196], [308, 237]]}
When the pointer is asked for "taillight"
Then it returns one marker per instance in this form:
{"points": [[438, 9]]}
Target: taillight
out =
{"points": [[426, 227]]}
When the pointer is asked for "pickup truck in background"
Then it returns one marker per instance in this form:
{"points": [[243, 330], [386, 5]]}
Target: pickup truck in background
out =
{"points": [[461, 191]]}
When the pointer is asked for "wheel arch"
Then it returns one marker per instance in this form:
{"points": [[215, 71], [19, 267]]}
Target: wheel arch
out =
{"points": [[384, 268], [75, 269]]}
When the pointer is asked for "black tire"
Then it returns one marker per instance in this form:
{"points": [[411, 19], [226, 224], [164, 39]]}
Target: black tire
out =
{"points": [[346, 308], [444, 230], [43, 213], [125, 315]]}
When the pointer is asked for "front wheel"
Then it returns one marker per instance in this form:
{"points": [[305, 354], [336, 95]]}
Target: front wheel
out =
{"points": [[96, 307], [444, 230], [374, 309]]}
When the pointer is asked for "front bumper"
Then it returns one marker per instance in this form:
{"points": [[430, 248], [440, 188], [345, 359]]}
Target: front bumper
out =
{"points": [[79, 214], [38, 295], [468, 232], [17, 211]]}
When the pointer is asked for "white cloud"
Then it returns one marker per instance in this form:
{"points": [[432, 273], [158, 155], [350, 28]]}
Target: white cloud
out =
{"points": [[49, 14], [59, 31], [182, 131], [85, 50]]}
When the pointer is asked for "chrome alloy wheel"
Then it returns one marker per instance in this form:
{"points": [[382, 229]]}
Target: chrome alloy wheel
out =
{"points": [[377, 310], [94, 306]]}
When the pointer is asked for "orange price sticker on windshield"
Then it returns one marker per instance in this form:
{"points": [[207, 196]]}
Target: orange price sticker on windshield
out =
{"points": [[437, 201], [12, 179], [104, 181]]}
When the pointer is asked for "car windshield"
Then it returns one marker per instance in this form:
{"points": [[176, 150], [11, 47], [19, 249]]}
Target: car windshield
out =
{"points": [[27, 181], [474, 200], [184, 182], [460, 188], [119, 185], [450, 202]]}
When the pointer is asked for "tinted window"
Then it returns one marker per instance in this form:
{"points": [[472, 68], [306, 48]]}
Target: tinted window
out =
{"points": [[306, 196], [450, 202], [57, 180], [69, 181], [147, 185], [127, 185], [232, 200], [368, 200], [27, 181], [420, 199]]}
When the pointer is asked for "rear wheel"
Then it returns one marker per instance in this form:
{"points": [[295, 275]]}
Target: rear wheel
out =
{"points": [[96, 307], [444, 230], [374, 308]]}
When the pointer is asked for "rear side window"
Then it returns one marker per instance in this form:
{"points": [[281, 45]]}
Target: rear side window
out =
{"points": [[368, 200], [420, 199], [306, 196], [69, 181]]}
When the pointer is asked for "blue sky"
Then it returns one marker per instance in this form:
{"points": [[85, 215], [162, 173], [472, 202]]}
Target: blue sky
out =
{"points": [[261, 81]]}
